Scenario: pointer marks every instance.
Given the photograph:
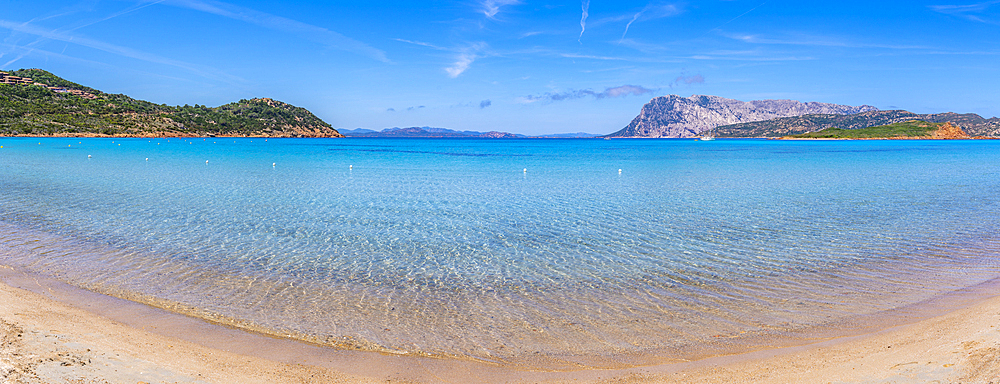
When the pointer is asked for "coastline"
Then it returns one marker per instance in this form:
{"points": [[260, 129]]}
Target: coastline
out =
{"points": [[52, 332]]}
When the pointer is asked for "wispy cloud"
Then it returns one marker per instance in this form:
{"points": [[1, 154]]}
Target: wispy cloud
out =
{"points": [[464, 56], [735, 18], [583, 19], [651, 12], [307, 31], [490, 8], [407, 108], [688, 80], [819, 41], [464, 59], [972, 12], [620, 91], [593, 57], [422, 44], [111, 48]]}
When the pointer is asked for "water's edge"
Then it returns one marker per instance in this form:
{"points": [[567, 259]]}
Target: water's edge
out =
{"points": [[220, 332]]}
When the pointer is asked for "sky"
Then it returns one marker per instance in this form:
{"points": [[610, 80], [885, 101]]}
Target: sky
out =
{"points": [[521, 66]]}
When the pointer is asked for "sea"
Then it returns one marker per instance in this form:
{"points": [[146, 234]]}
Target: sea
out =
{"points": [[530, 253]]}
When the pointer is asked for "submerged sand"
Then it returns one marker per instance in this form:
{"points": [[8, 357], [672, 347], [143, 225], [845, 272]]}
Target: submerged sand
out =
{"points": [[50, 333]]}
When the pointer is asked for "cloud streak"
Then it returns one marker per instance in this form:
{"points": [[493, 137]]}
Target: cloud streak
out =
{"points": [[111, 48], [651, 12], [620, 91], [969, 11], [310, 32], [583, 19]]}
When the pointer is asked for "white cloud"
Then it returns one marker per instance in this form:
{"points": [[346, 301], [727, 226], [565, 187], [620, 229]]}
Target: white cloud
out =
{"points": [[463, 63], [465, 58], [583, 19], [490, 8]]}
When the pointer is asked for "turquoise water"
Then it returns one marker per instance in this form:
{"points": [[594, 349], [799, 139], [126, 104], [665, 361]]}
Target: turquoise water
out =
{"points": [[538, 253]]}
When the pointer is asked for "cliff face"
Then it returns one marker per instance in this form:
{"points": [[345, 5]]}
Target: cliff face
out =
{"points": [[675, 116], [949, 131]]}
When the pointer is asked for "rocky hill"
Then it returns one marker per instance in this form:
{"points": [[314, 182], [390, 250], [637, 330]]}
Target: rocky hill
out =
{"points": [[971, 123], [52, 106], [676, 116]]}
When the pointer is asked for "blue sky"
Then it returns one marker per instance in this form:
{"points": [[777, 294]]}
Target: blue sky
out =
{"points": [[527, 66]]}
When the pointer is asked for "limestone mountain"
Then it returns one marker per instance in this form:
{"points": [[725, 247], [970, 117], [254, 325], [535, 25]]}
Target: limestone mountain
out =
{"points": [[676, 116], [48, 105]]}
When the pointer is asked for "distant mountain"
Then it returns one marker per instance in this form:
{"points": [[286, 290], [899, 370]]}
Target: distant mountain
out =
{"points": [[427, 132], [676, 116], [971, 123], [34, 102], [576, 135]]}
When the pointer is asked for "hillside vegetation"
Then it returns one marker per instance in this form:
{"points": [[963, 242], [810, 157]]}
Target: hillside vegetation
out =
{"points": [[904, 130], [971, 123], [32, 110]]}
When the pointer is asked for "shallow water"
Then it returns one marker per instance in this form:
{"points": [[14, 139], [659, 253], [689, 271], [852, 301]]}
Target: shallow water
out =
{"points": [[537, 253]]}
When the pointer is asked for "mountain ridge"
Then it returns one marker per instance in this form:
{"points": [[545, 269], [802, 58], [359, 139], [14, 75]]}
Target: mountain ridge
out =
{"points": [[431, 132], [673, 116]]}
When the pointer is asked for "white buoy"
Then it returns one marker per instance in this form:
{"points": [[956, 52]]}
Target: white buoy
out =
{"points": [[526, 170], [88, 156], [147, 159], [619, 171], [206, 161], [273, 164]]}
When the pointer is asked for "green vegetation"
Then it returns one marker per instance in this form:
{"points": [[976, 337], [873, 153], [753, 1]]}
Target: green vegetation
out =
{"points": [[46, 77], [904, 129], [972, 124], [36, 110]]}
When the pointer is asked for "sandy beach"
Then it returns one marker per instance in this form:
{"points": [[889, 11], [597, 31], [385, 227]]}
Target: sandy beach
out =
{"points": [[52, 333]]}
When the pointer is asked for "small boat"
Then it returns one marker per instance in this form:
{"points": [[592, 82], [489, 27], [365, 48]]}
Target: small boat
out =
{"points": [[706, 138]]}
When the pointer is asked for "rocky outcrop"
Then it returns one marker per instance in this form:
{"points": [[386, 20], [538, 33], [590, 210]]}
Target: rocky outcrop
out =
{"points": [[676, 116], [949, 131]]}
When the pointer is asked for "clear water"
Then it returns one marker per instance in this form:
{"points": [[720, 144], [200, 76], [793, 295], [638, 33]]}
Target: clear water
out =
{"points": [[451, 248]]}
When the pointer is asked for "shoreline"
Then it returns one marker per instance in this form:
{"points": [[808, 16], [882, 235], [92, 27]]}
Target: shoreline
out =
{"points": [[51, 331]]}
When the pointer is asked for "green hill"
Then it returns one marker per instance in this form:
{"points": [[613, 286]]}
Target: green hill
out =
{"points": [[905, 130], [973, 124], [35, 110]]}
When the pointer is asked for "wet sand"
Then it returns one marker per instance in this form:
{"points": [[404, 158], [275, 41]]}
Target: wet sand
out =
{"points": [[53, 333]]}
